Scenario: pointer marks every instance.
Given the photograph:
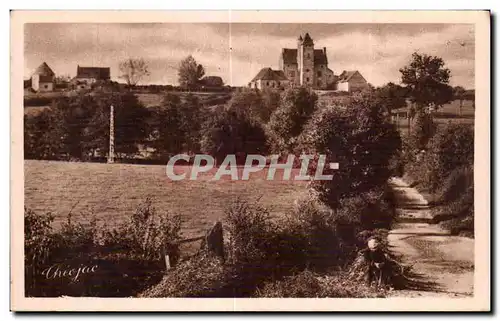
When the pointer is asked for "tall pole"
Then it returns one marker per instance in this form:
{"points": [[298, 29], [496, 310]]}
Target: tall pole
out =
{"points": [[111, 156]]}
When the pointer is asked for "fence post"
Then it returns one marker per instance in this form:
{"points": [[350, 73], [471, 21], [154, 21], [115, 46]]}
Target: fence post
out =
{"points": [[215, 240]]}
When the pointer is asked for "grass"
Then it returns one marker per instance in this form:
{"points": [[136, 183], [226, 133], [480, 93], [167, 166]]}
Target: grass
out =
{"points": [[113, 191], [447, 113]]}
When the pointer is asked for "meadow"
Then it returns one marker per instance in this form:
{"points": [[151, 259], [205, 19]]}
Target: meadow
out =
{"points": [[113, 191], [447, 113]]}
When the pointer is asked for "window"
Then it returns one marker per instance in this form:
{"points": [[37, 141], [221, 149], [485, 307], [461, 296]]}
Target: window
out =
{"points": [[307, 79], [308, 55], [307, 70], [279, 83], [319, 73], [267, 83], [46, 86]]}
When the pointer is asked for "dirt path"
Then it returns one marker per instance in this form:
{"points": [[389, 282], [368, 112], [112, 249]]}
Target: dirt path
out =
{"points": [[443, 264]]}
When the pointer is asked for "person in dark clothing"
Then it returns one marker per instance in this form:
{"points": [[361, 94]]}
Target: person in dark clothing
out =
{"points": [[378, 263]]}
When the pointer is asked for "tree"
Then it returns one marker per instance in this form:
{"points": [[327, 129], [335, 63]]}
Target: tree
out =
{"points": [[231, 132], [426, 80], [133, 70], [459, 93], [177, 126], [287, 121], [392, 96], [360, 138], [190, 73]]}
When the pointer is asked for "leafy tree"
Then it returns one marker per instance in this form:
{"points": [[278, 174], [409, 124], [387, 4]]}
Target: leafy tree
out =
{"points": [[426, 79], [177, 125], [459, 93], [287, 121], [133, 70], [231, 132], [360, 138], [392, 96], [190, 72]]}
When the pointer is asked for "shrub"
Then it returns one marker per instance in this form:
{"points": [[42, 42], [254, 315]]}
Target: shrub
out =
{"points": [[452, 147], [146, 233]]}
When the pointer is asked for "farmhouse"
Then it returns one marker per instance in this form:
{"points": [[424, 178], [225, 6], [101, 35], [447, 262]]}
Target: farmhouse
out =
{"points": [[351, 81], [86, 76], [306, 66], [43, 78], [268, 78]]}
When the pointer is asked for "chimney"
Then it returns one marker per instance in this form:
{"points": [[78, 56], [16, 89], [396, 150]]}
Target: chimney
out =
{"points": [[324, 50]]}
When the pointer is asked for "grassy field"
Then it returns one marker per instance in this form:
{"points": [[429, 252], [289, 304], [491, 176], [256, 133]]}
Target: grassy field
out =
{"points": [[448, 113], [113, 191]]}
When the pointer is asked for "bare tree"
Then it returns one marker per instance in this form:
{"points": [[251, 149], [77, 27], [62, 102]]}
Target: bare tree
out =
{"points": [[133, 70]]}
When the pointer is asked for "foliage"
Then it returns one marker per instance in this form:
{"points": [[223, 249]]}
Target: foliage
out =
{"points": [[426, 80], [287, 121], [133, 70], [452, 147], [360, 138], [392, 96], [190, 73], [146, 232], [78, 127], [423, 130], [133, 248], [232, 132], [177, 126]]}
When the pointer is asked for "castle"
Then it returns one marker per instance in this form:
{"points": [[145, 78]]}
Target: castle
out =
{"points": [[306, 66]]}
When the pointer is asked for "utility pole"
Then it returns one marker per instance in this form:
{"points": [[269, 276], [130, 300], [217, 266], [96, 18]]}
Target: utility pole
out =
{"points": [[111, 155]]}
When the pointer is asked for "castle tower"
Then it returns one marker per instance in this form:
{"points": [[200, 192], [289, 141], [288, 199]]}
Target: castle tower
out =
{"points": [[305, 57]]}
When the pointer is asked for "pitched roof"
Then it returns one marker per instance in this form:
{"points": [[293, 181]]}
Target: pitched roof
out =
{"points": [[93, 72], [269, 74], [347, 75], [44, 70]]}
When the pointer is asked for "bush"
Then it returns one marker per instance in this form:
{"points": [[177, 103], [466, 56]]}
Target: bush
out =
{"points": [[130, 254], [146, 233]]}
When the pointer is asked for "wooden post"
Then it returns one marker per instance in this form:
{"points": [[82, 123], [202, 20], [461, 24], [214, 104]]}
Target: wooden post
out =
{"points": [[111, 155], [215, 240]]}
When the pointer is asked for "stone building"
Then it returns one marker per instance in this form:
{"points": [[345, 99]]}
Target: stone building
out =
{"points": [[43, 79], [350, 81], [86, 76], [268, 78], [306, 66]]}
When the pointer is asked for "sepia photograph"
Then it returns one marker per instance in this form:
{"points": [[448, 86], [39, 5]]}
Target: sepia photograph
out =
{"points": [[272, 156]]}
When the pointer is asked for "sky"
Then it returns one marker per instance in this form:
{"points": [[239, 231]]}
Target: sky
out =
{"points": [[237, 51]]}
